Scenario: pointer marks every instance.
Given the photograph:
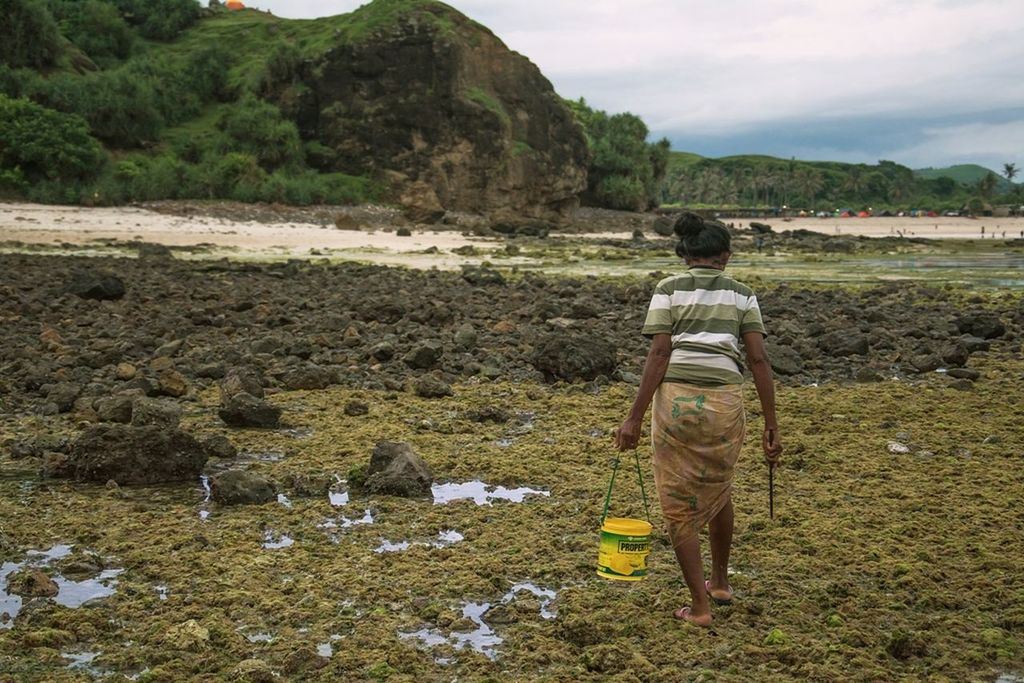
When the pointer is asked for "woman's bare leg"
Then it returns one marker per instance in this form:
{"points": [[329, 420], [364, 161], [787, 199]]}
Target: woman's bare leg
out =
{"points": [[720, 532], [688, 556]]}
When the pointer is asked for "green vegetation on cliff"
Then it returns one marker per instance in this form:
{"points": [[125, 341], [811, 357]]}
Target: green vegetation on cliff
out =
{"points": [[625, 170], [764, 181]]}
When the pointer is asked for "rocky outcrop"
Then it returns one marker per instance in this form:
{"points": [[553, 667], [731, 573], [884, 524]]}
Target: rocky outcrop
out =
{"points": [[435, 104]]}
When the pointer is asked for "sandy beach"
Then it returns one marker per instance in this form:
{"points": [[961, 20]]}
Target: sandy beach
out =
{"points": [[111, 229]]}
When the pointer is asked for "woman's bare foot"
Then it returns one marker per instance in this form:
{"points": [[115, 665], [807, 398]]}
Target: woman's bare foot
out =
{"points": [[720, 596], [684, 613]]}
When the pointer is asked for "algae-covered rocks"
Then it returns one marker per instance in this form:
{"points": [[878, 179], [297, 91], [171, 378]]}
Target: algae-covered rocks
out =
{"points": [[239, 487], [188, 635], [130, 455], [396, 470], [31, 582], [571, 356]]}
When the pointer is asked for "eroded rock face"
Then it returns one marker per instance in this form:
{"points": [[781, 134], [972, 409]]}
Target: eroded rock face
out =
{"points": [[441, 108], [131, 455]]}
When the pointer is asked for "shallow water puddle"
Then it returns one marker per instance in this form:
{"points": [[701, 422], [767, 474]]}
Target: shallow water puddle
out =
{"points": [[480, 493], [204, 482], [274, 541], [444, 539], [483, 638], [82, 661], [70, 593]]}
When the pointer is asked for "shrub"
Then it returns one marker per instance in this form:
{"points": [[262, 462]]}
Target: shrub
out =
{"points": [[45, 144], [159, 19], [258, 129], [28, 34], [96, 27]]}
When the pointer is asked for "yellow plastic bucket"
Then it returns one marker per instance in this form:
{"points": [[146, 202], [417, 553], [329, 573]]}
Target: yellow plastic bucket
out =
{"points": [[625, 544]]}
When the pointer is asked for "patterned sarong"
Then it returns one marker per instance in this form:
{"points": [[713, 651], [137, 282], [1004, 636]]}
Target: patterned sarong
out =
{"points": [[697, 433]]}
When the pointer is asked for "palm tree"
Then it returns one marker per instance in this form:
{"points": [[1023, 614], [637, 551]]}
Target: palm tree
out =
{"points": [[1010, 171], [856, 182], [987, 185], [808, 183]]}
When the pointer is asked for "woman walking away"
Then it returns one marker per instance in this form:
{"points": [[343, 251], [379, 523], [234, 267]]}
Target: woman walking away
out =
{"points": [[694, 375]]}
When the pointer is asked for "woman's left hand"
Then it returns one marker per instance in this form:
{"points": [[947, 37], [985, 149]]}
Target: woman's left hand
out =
{"points": [[628, 435]]}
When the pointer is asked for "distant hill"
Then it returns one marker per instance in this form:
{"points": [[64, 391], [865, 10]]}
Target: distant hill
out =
{"points": [[967, 174]]}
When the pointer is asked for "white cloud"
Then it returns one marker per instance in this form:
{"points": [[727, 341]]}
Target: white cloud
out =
{"points": [[734, 65], [990, 145]]}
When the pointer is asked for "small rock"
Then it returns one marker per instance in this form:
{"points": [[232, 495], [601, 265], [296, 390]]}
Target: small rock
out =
{"points": [[240, 487], [572, 356], [964, 373], [125, 371], [253, 671], [169, 349], [219, 446], [429, 386], [844, 343], [926, 362], [466, 337], [425, 355], [482, 275], [63, 395], [395, 469], [114, 409], [173, 383], [383, 351], [157, 412], [189, 636], [868, 375], [240, 380], [355, 408], [245, 410], [897, 448], [96, 285]]}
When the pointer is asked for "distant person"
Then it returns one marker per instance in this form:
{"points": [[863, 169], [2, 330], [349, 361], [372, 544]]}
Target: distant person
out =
{"points": [[694, 376]]}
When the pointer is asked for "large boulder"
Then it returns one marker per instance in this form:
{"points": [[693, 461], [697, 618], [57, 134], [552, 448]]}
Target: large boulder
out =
{"points": [[396, 470], [240, 487], [438, 106], [570, 356], [130, 455]]}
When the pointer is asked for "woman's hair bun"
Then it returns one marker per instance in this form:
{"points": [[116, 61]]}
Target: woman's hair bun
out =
{"points": [[688, 224]]}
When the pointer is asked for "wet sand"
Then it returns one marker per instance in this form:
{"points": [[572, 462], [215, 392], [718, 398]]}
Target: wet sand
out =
{"points": [[80, 226], [939, 227]]}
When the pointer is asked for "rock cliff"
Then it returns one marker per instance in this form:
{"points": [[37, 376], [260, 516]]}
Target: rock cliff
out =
{"points": [[438, 106]]}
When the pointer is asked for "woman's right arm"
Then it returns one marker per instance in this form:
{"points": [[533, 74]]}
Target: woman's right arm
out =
{"points": [[757, 361]]}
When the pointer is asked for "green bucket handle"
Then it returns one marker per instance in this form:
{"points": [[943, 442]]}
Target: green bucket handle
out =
{"points": [[611, 483]]}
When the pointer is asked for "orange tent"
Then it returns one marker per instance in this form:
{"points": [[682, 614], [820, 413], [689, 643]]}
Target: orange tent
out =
{"points": [[234, 4]]}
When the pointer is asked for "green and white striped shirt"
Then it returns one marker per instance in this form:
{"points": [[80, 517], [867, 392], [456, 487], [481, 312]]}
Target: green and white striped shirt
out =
{"points": [[706, 312]]}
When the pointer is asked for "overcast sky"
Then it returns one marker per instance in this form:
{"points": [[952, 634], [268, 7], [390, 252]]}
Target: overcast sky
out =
{"points": [[920, 82]]}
